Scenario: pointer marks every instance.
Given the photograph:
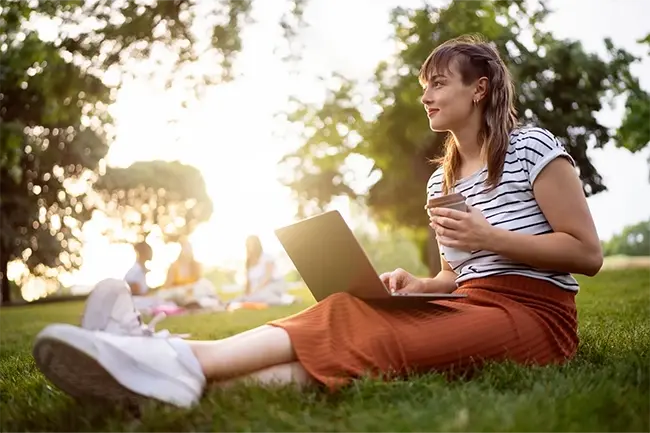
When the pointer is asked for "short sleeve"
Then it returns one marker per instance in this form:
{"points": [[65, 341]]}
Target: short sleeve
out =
{"points": [[434, 184], [536, 148], [137, 276]]}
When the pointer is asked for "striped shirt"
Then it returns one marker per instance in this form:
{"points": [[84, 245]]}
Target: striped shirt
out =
{"points": [[511, 205]]}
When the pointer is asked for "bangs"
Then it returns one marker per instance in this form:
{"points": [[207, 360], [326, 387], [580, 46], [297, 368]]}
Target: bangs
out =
{"points": [[438, 62]]}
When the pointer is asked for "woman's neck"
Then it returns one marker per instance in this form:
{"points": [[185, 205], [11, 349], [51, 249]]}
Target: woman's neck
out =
{"points": [[469, 148]]}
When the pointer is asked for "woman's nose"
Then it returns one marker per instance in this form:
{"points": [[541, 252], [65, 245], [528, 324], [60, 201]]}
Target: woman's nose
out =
{"points": [[426, 98]]}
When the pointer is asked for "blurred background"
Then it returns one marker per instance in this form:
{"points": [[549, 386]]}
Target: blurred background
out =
{"points": [[124, 121]]}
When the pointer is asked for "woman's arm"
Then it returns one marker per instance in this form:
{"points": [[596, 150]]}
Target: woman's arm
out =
{"points": [[574, 246], [135, 288], [401, 281], [443, 282], [247, 286]]}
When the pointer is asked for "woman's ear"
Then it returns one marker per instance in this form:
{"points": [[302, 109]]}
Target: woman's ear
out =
{"points": [[480, 92]]}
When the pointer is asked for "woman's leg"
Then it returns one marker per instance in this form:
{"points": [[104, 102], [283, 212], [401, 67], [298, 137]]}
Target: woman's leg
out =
{"points": [[239, 335], [244, 353], [278, 375]]}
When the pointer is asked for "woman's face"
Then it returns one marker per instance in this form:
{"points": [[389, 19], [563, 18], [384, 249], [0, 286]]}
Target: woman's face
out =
{"points": [[447, 100], [252, 245]]}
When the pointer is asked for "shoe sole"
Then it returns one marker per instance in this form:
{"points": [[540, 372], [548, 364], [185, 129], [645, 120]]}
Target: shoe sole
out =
{"points": [[69, 357], [79, 375]]}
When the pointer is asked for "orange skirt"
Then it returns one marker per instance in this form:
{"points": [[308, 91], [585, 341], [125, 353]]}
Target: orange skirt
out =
{"points": [[508, 317]]}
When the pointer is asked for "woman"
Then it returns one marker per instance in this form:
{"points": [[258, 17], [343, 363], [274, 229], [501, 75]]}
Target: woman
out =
{"points": [[263, 285], [136, 277], [528, 228], [185, 270], [184, 287]]}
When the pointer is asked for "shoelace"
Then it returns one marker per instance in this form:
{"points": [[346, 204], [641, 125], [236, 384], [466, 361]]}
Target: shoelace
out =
{"points": [[150, 328], [134, 325]]}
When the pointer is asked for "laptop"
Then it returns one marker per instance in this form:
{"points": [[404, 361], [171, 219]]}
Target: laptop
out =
{"points": [[330, 260]]}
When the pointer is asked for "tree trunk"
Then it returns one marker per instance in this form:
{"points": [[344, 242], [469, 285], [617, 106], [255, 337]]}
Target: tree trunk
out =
{"points": [[434, 254], [6, 292]]}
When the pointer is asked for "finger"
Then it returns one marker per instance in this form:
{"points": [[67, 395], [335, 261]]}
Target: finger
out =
{"points": [[449, 213], [447, 233], [447, 222], [385, 277], [450, 243], [395, 282]]}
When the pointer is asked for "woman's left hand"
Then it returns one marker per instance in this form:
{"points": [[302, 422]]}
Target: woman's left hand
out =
{"points": [[466, 231]]}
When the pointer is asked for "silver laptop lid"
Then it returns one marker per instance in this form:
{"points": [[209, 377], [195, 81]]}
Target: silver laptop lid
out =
{"points": [[329, 258]]}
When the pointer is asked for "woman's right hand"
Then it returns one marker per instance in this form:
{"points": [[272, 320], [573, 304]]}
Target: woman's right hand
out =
{"points": [[401, 281]]}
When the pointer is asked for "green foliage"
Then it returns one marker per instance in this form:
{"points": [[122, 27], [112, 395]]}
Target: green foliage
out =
{"points": [[169, 195], [220, 276], [634, 132], [390, 249], [133, 29], [54, 122], [51, 138], [317, 164], [559, 87], [634, 240]]}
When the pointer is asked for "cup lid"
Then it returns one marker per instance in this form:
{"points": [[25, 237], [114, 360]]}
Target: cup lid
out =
{"points": [[444, 200]]}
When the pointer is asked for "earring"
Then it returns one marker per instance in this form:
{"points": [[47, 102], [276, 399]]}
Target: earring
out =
{"points": [[475, 102]]}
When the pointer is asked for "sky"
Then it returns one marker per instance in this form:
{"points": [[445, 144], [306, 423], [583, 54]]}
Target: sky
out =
{"points": [[234, 138]]}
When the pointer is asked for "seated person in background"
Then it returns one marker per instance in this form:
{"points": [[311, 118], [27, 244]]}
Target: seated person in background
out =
{"points": [[185, 285], [185, 270], [136, 277], [262, 282]]}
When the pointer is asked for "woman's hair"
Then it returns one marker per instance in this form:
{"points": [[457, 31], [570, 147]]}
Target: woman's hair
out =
{"points": [[476, 58], [187, 252], [253, 250], [143, 250]]}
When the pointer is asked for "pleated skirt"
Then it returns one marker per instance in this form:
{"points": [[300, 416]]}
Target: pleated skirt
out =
{"points": [[504, 318]]}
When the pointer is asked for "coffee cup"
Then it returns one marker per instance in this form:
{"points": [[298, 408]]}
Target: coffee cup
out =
{"points": [[451, 201]]}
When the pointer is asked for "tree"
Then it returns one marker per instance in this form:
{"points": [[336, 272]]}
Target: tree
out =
{"points": [[634, 240], [54, 126], [560, 86], [137, 29], [169, 195], [50, 144], [634, 132]]}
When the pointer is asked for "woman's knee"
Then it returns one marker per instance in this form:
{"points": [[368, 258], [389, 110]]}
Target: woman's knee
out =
{"points": [[340, 297]]}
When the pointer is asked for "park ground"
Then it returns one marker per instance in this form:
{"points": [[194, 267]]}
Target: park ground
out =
{"points": [[605, 388]]}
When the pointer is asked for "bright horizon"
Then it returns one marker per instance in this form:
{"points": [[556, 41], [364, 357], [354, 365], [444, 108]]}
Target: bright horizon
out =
{"points": [[235, 124]]}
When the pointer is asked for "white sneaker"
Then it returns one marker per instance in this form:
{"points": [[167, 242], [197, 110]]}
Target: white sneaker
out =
{"points": [[110, 308], [103, 365]]}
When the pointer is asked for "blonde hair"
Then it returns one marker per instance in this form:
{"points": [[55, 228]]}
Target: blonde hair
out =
{"points": [[476, 58]]}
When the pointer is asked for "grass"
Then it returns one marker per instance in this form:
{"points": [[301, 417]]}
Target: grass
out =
{"points": [[606, 388]]}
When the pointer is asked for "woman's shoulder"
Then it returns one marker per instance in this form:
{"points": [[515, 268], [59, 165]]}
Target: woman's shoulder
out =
{"points": [[533, 137], [535, 148], [434, 184]]}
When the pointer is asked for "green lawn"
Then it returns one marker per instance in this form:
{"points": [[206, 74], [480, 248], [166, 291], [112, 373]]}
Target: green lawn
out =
{"points": [[604, 389]]}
